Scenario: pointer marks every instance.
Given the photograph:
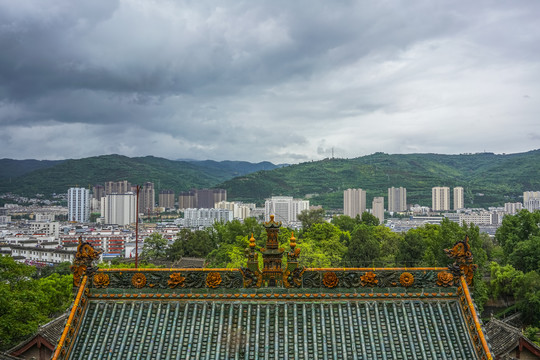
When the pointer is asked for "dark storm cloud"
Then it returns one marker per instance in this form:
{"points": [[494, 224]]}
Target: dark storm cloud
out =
{"points": [[265, 80]]}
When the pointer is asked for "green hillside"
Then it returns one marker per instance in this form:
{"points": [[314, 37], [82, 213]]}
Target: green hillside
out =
{"points": [[165, 174], [488, 179]]}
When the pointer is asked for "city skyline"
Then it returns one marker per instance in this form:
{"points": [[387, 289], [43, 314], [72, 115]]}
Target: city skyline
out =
{"points": [[201, 80]]}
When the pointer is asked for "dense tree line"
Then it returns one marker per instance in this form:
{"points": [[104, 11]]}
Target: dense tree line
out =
{"points": [[29, 298]]}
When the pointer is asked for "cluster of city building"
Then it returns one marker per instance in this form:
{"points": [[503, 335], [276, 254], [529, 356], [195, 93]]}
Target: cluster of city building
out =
{"points": [[354, 203], [45, 240]]}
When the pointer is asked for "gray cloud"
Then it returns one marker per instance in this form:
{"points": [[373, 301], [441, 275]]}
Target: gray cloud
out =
{"points": [[275, 81]]}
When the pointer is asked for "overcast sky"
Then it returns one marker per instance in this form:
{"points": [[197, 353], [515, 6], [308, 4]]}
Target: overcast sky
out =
{"points": [[284, 81]]}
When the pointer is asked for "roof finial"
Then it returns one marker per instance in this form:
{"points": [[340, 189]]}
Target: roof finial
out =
{"points": [[293, 241]]}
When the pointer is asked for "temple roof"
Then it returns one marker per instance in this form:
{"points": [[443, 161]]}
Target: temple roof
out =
{"points": [[222, 329], [293, 313]]}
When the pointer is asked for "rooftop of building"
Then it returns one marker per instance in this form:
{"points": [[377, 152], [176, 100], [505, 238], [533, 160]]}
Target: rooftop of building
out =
{"points": [[272, 313]]}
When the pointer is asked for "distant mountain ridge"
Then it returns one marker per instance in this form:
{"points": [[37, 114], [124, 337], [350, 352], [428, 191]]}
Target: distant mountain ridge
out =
{"points": [[28, 177], [488, 179]]}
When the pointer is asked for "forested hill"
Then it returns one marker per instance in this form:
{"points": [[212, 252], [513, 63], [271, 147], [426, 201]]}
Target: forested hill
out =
{"points": [[488, 179], [57, 177]]}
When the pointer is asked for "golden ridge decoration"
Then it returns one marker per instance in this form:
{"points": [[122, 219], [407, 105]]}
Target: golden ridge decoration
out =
{"points": [[445, 278], [213, 280], [138, 280], [406, 279], [330, 279], [176, 280], [101, 280], [463, 260], [369, 279], [83, 264]]}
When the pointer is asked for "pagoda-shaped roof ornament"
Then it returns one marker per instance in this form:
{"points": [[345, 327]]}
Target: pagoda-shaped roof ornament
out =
{"points": [[272, 223], [272, 254]]}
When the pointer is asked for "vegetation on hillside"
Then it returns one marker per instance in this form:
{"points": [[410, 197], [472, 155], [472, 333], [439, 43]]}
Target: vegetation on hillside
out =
{"points": [[165, 174], [488, 179]]}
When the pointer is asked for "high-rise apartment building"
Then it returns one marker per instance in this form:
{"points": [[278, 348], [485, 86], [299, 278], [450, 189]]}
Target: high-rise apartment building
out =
{"points": [[201, 199], [527, 195], [98, 191], [119, 209], [284, 208], [531, 200], [459, 198], [440, 198], [78, 205], [377, 208], [512, 208], [354, 202], [187, 200], [397, 199], [147, 198], [117, 187], [166, 199]]}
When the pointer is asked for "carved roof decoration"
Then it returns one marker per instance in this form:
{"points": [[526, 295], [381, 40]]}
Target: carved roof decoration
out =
{"points": [[275, 312]]}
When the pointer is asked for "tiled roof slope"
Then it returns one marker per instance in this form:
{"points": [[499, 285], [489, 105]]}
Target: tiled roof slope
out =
{"points": [[502, 337], [363, 329], [277, 312]]}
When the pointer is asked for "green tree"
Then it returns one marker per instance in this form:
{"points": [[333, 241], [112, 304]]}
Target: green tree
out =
{"points": [[504, 281], [322, 245], [154, 247], [527, 292], [345, 223], [369, 219], [25, 302], [517, 228], [310, 217], [526, 254], [411, 249], [364, 249]]}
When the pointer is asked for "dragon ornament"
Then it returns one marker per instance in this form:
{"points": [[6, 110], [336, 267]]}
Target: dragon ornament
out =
{"points": [[463, 260], [83, 264]]}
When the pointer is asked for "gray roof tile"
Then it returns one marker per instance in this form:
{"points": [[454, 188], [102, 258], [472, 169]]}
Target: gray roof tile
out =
{"points": [[221, 329]]}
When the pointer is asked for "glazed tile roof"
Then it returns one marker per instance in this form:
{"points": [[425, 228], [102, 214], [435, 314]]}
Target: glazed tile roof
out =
{"points": [[289, 312], [364, 329]]}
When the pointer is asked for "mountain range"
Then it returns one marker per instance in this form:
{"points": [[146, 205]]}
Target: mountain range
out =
{"points": [[488, 179]]}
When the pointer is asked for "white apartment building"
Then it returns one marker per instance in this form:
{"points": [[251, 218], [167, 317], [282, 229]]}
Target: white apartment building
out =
{"points": [[531, 200], [78, 200], [440, 198], [197, 218], [46, 228], [459, 198], [397, 199], [240, 210], [45, 253], [513, 208], [44, 217], [528, 195], [354, 202], [377, 208], [119, 209], [284, 209], [111, 241], [5, 219]]}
